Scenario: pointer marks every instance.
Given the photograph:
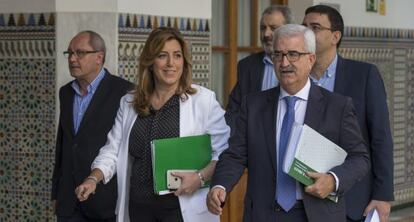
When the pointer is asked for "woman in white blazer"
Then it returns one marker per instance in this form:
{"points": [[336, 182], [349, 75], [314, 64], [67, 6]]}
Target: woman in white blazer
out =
{"points": [[165, 103]]}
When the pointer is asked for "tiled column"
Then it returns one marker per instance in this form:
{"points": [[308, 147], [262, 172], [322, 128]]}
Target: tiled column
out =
{"points": [[33, 36]]}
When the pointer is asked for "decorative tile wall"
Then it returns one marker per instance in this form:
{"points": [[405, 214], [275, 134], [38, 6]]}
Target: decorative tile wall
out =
{"points": [[134, 30], [392, 50], [27, 116], [27, 97]]}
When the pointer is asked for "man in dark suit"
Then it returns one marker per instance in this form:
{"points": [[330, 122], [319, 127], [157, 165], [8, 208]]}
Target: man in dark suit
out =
{"points": [[362, 82], [255, 72], [88, 106], [261, 136]]}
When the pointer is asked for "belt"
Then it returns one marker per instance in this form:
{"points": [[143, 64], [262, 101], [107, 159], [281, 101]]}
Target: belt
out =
{"points": [[298, 204]]}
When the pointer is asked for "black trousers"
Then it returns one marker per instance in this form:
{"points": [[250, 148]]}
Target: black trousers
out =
{"points": [[297, 213], [157, 211], [79, 216], [350, 220]]}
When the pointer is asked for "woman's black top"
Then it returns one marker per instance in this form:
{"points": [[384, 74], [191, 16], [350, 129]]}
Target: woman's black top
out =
{"points": [[162, 123]]}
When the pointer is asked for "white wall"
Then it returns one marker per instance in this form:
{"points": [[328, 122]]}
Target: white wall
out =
{"points": [[298, 8], [178, 8], [398, 13], [24, 6], [175, 8], [86, 5]]}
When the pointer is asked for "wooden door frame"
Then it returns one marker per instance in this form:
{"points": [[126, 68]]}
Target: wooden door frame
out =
{"points": [[231, 49]]}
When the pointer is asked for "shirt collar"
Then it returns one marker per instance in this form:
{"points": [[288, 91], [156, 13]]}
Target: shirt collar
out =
{"points": [[330, 71], [267, 60], [91, 87], [303, 94]]}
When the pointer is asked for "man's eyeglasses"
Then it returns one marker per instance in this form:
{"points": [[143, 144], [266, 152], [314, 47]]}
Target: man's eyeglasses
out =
{"points": [[318, 28], [292, 56], [78, 53]]}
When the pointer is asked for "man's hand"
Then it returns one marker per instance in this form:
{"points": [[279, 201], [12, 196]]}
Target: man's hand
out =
{"points": [[190, 183], [383, 209], [85, 189], [323, 186], [215, 200]]}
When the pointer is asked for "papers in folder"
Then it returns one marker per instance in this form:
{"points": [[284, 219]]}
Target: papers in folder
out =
{"points": [[310, 151], [192, 152]]}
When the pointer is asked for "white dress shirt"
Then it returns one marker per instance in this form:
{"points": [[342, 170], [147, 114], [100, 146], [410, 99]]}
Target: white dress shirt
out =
{"points": [[300, 112]]}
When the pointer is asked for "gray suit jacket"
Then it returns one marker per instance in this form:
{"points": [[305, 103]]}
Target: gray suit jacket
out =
{"points": [[253, 146]]}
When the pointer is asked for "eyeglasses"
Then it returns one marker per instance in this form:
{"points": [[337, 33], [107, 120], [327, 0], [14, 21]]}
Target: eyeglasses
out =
{"points": [[318, 28], [292, 56], [78, 53]]}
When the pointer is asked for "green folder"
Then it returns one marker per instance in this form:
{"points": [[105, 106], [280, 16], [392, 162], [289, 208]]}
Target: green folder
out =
{"points": [[181, 153]]}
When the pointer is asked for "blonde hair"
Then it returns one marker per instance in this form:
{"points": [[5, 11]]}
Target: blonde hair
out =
{"points": [[145, 79]]}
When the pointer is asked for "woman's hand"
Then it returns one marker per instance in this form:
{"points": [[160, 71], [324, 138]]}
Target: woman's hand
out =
{"points": [[190, 183], [85, 189]]}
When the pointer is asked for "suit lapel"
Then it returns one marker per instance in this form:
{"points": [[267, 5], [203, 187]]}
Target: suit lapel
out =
{"points": [[187, 124], [340, 76], [97, 99], [66, 109], [313, 116], [314, 109], [258, 72], [269, 123]]}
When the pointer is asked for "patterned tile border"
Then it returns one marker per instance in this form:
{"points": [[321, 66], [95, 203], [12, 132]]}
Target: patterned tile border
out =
{"points": [[134, 21], [372, 32], [133, 32]]}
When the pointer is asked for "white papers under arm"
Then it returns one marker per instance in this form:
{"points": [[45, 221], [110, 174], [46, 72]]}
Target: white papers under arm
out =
{"points": [[315, 153], [372, 216], [318, 152]]}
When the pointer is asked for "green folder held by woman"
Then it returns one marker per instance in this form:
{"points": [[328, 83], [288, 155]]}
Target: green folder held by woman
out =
{"points": [[180, 153]]}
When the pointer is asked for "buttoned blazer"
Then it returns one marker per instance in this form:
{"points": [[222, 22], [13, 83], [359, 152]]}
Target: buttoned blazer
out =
{"points": [[74, 153], [363, 83], [199, 114], [253, 146]]}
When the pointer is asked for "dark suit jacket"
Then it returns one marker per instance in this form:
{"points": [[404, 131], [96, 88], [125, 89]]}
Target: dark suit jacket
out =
{"points": [[362, 82], [250, 71], [75, 153], [254, 146]]}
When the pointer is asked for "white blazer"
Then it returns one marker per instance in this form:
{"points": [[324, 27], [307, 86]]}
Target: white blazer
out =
{"points": [[199, 114]]}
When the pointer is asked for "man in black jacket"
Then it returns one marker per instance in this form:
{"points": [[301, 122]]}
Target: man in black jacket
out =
{"points": [[255, 72], [88, 106]]}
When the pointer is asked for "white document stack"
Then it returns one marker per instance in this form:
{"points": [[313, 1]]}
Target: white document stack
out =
{"points": [[307, 151]]}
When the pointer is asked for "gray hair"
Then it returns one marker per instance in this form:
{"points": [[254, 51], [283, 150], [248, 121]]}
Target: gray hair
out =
{"points": [[293, 30], [286, 12], [96, 41]]}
